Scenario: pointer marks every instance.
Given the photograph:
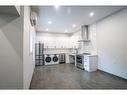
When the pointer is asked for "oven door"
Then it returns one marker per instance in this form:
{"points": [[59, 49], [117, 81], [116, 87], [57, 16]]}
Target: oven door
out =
{"points": [[80, 63]]}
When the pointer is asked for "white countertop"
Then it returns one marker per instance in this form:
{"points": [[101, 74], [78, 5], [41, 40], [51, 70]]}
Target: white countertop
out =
{"points": [[72, 54], [90, 55], [54, 53], [82, 54]]}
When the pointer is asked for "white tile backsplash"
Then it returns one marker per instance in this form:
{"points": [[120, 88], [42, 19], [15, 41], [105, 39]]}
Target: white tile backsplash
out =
{"points": [[56, 50]]}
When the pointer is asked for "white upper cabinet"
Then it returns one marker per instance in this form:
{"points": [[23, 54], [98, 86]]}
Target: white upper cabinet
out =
{"points": [[74, 40], [53, 41]]}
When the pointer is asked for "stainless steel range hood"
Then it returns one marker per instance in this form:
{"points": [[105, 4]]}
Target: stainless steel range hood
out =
{"points": [[84, 33]]}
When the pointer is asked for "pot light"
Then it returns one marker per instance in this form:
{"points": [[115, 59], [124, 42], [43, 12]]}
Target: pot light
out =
{"points": [[91, 14], [74, 25], [49, 22], [56, 6], [66, 30]]}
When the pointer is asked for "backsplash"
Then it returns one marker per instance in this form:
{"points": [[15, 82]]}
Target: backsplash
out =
{"points": [[56, 50], [89, 47]]}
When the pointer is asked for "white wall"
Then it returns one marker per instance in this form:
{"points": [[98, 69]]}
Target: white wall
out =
{"points": [[112, 44], [17, 63], [11, 52], [28, 57]]}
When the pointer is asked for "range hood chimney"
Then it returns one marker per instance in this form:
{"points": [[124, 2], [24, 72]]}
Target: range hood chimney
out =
{"points": [[84, 33]]}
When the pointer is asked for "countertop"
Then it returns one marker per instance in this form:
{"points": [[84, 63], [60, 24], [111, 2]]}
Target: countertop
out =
{"points": [[74, 54], [83, 54], [90, 55], [54, 53]]}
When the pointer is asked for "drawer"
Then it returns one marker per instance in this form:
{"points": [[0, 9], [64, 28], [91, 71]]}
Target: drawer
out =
{"points": [[86, 59], [86, 67], [86, 64]]}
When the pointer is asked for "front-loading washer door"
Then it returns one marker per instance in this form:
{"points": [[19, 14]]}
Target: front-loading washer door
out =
{"points": [[48, 59], [55, 59]]}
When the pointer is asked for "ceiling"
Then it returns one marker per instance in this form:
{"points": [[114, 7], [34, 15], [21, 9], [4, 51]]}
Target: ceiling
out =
{"points": [[61, 19]]}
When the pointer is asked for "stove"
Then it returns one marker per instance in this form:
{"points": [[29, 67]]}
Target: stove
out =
{"points": [[80, 60]]}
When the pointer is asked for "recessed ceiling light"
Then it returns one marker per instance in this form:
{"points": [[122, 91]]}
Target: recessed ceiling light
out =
{"points": [[66, 30], [56, 6], [91, 14], [47, 29], [50, 22], [74, 25]]}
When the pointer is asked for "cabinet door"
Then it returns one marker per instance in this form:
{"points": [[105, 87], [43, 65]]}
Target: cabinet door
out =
{"points": [[93, 63], [86, 63], [58, 44]]}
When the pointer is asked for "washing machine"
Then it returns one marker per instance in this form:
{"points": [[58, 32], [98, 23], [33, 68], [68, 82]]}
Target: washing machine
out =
{"points": [[50, 59], [47, 59], [55, 59]]}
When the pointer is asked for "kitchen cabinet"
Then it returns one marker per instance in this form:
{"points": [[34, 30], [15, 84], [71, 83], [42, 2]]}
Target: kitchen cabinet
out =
{"points": [[55, 42], [90, 63]]}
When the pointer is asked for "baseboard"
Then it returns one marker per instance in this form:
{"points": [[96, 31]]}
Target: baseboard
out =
{"points": [[112, 74]]}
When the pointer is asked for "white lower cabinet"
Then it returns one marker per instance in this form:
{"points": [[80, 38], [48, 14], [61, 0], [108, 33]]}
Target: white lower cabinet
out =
{"points": [[90, 63]]}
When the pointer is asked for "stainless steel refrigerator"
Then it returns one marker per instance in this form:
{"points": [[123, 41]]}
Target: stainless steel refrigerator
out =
{"points": [[39, 56]]}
